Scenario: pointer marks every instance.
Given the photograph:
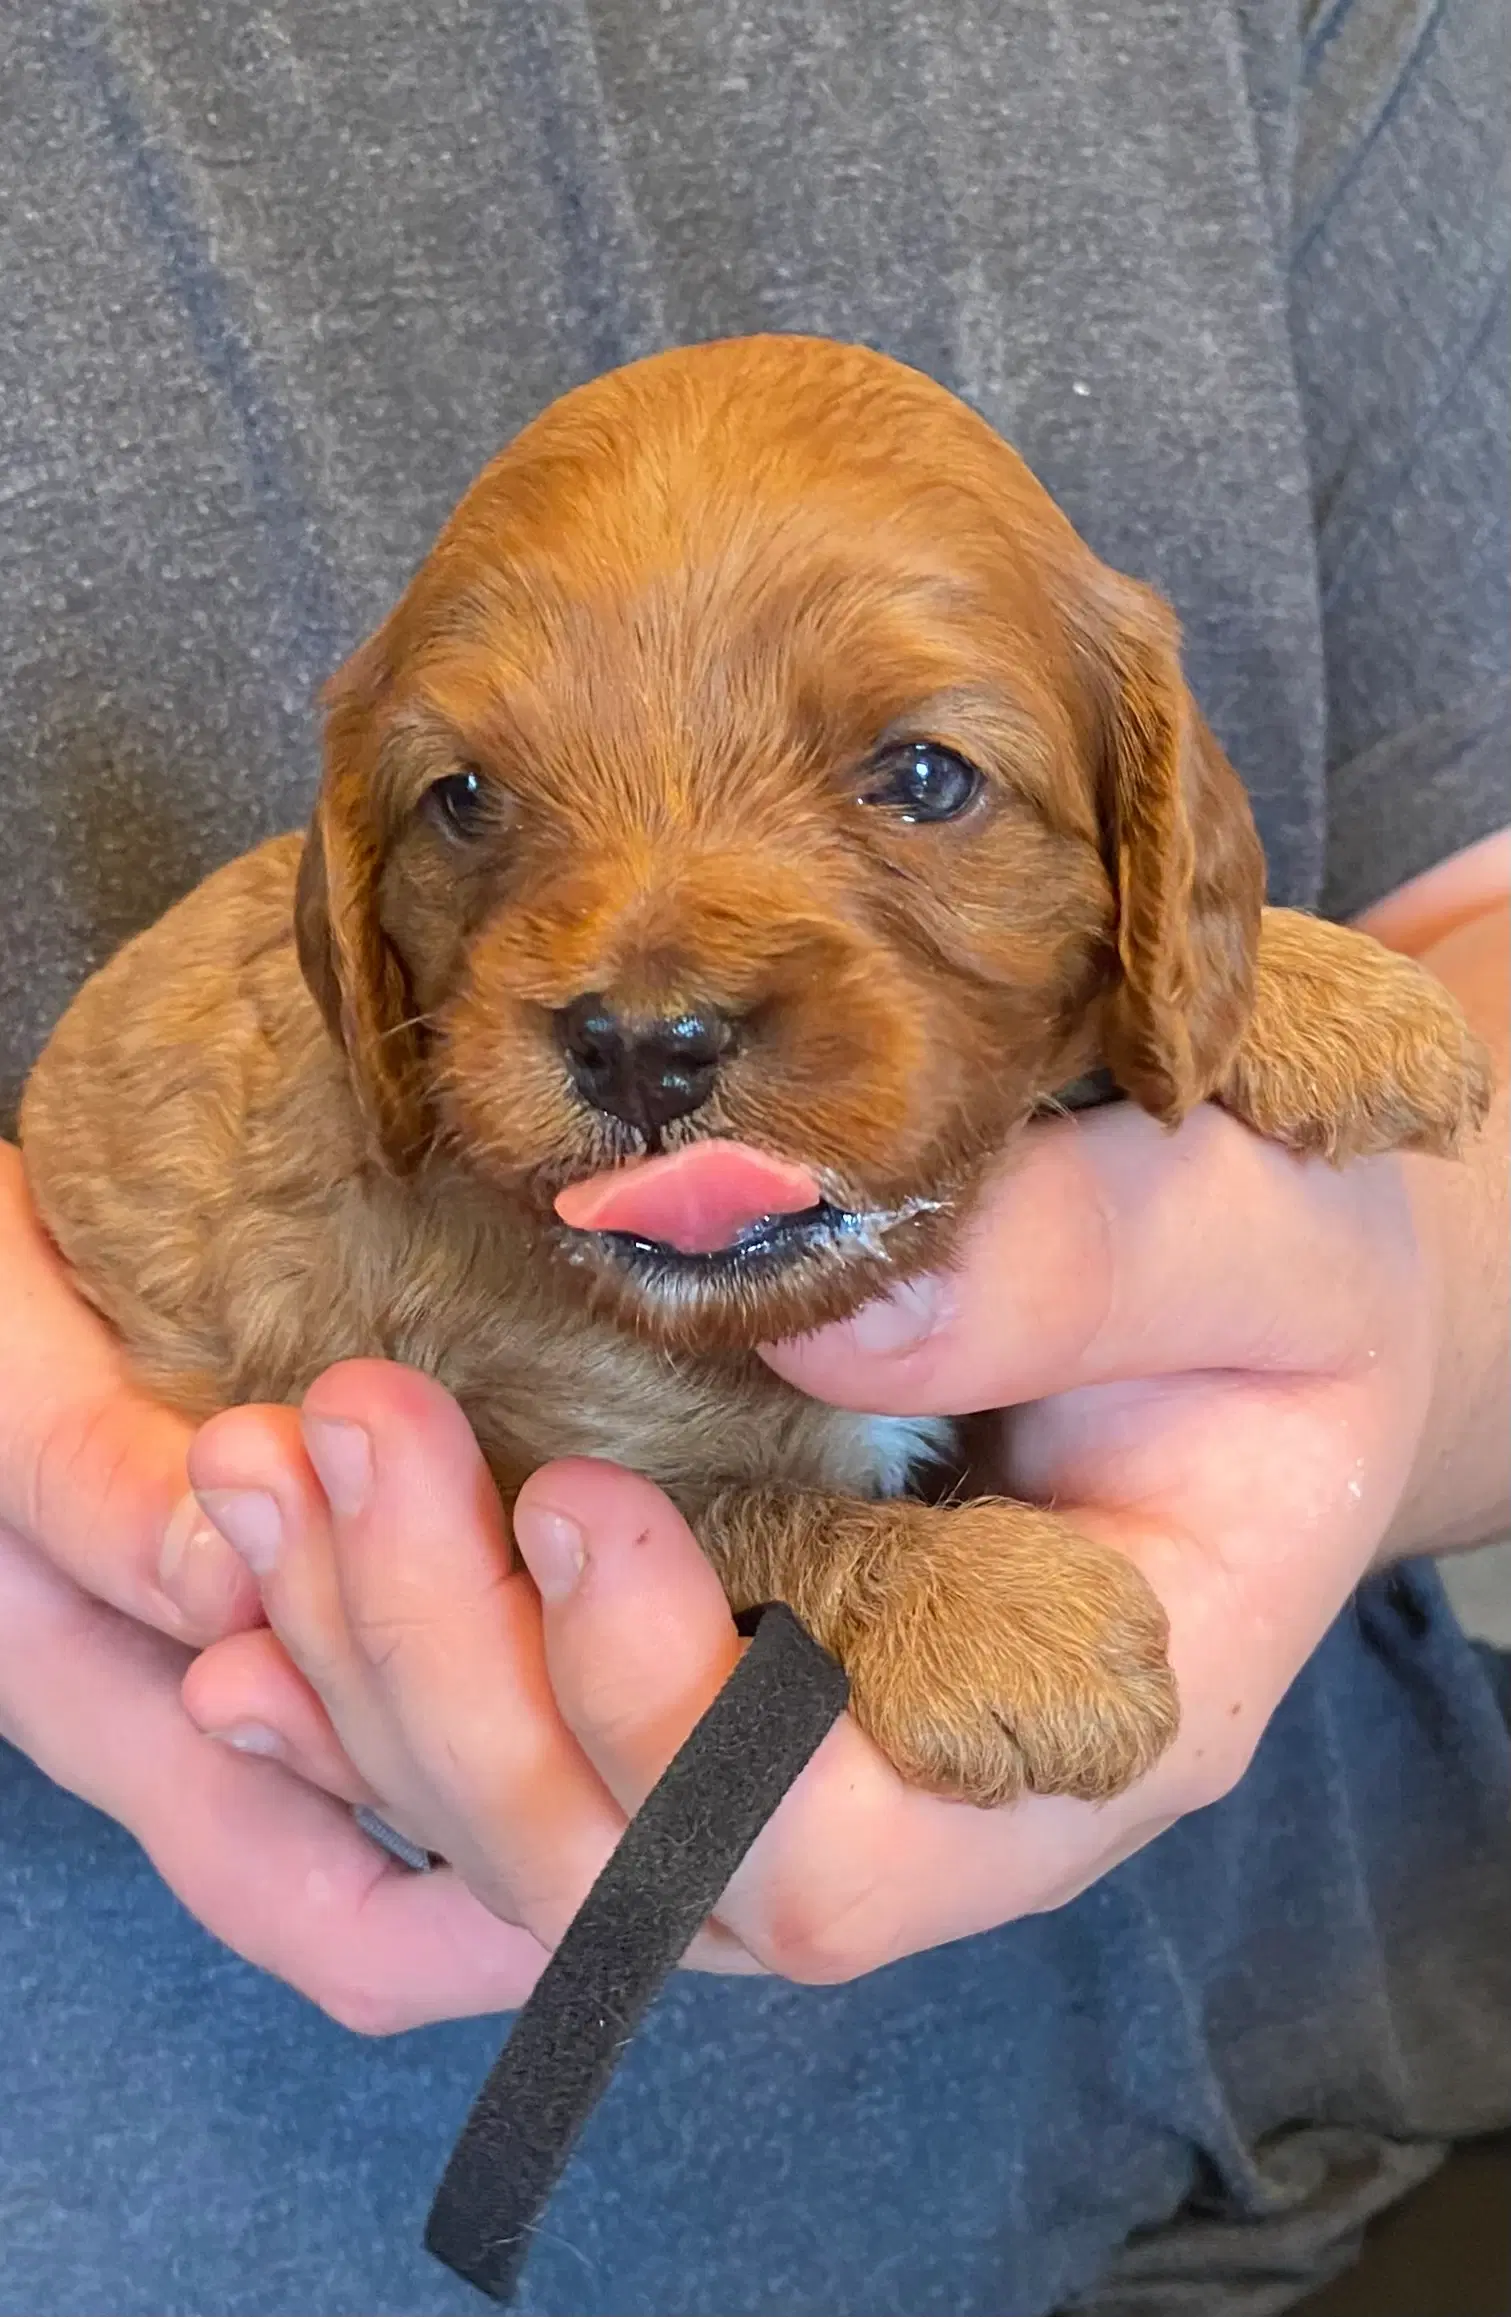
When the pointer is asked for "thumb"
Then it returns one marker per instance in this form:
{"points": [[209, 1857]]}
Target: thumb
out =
{"points": [[91, 1468], [1108, 1248]]}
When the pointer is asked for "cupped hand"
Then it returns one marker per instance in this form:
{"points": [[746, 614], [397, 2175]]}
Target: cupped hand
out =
{"points": [[109, 1574], [1215, 1357]]}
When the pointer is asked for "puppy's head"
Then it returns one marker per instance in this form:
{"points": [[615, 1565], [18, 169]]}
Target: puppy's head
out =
{"points": [[761, 762]]}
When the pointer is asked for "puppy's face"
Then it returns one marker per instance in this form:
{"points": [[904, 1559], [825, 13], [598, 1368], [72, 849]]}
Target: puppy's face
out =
{"points": [[759, 758]]}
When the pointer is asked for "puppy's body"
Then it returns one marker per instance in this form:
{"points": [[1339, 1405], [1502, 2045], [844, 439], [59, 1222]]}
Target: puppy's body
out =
{"points": [[759, 763]]}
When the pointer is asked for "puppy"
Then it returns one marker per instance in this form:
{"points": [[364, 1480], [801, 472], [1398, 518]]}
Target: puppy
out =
{"points": [[759, 804]]}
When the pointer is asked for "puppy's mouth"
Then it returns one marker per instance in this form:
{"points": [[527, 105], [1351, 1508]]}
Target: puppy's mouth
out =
{"points": [[720, 1211]]}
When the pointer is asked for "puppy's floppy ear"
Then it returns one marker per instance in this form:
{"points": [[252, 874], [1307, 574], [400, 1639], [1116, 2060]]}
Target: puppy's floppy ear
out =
{"points": [[1186, 866], [352, 970]]}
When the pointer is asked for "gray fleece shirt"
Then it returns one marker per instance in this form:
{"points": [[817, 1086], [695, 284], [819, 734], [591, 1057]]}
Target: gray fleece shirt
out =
{"points": [[275, 279]]}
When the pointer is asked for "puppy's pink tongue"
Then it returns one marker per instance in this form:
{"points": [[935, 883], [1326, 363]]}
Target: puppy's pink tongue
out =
{"points": [[696, 1200]]}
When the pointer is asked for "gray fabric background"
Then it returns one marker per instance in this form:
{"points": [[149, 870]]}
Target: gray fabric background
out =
{"points": [[275, 280], [278, 279]]}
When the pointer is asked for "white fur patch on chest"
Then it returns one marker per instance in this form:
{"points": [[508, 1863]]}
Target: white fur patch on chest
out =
{"points": [[893, 1448]]}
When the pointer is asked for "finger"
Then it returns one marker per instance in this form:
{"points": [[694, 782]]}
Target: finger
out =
{"points": [[1107, 1247], [282, 1693], [254, 1481], [278, 1871], [393, 1593], [247, 1693], [92, 1468], [848, 1874], [639, 1639], [854, 1869]]}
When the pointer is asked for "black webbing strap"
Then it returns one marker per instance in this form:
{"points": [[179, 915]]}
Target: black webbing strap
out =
{"points": [[670, 1869]]}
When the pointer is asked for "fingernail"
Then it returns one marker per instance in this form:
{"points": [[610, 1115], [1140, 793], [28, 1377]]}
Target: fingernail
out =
{"points": [[249, 1738], [910, 1314], [249, 1520], [342, 1454], [196, 1568], [554, 1548]]}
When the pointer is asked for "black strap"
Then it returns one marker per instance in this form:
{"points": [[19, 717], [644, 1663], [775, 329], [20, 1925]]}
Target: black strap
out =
{"points": [[671, 1867], [1091, 1092]]}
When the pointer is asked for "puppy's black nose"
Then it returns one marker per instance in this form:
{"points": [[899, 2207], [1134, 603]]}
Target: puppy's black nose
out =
{"points": [[646, 1073]]}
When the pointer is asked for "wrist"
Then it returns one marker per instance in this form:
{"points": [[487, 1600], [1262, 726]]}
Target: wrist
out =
{"points": [[1458, 1493]]}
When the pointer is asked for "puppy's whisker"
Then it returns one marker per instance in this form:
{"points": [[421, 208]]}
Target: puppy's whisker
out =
{"points": [[413, 1022]]}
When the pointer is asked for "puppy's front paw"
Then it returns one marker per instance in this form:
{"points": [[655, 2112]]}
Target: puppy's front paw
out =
{"points": [[1013, 1657], [991, 1650], [1353, 1049]]}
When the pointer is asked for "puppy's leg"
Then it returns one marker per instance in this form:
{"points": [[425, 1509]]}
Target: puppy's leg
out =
{"points": [[991, 1651], [1352, 1049]]}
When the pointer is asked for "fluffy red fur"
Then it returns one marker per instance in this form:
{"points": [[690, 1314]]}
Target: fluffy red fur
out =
{"points": [[322, 1110]]}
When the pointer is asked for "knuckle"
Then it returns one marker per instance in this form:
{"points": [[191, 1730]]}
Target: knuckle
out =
{"points": [[608, 1717], [613, 1707], [74, 1456], [814, 1958], [380, 1641], [73, 1501], [320, 1651], [817, 1945], [402, 1625], [1218, 1772], [373, 2012]]}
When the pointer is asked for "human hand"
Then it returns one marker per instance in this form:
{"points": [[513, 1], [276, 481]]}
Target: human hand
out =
{"points": [[108, 1573], [1219, 1360]]}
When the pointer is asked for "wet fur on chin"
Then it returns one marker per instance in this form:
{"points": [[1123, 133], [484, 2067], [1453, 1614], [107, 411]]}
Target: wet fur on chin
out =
{"points": [[320, 1110]]}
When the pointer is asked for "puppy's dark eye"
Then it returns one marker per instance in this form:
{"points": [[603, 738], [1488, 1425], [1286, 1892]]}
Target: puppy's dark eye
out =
{"points": [[922, 782], [459, 802]]}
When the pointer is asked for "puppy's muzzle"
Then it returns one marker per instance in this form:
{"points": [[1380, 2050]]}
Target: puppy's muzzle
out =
{"points": [[645, 1073]]}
